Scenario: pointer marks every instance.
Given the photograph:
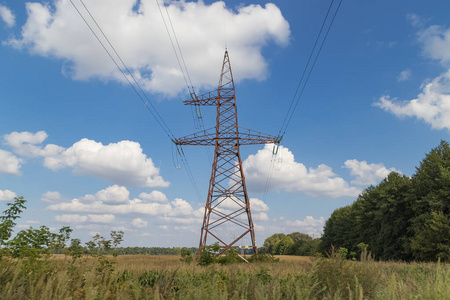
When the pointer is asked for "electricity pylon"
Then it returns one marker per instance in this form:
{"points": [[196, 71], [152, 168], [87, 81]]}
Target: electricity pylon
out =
{"points": [[227, 202]]}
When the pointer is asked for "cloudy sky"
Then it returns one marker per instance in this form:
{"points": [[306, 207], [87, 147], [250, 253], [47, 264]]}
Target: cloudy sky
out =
{"points": [[78, 143]]}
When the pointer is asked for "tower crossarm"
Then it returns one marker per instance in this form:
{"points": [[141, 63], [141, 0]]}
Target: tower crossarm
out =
{"points": [[208, 99], [209, 137], [202, 138], [252, 137]]}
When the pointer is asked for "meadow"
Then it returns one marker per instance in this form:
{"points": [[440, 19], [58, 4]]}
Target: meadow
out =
{"points": [[166, 277]]}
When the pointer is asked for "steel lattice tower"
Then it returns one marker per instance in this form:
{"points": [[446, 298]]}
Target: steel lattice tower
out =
{"points": [[227, 201]]}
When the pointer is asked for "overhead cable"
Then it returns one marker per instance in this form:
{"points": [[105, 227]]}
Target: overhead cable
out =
{"points": [[297, 96], [195, 109], [148, 104], [142, 95], [302, 83]]}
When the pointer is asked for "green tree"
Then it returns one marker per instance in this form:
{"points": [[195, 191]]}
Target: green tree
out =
{"points": [[208, 255], [298, 236], [300, 240], [34, 242], [186, 255], [384, 213], [432, 240], [341, 229], [272, 243], [400, 217], [117, 238], [75, 249], [283, 245], [7, 220], [305, 248]]}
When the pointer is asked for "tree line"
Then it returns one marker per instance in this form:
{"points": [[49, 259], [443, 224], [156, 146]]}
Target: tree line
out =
{"points": [[401, 218], [295, 243]]}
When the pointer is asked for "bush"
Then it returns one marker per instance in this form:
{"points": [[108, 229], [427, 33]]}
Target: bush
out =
{"points": [[208, 255], [186, 255]]}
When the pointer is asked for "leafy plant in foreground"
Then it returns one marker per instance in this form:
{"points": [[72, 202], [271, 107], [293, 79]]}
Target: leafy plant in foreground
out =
{"points": [[9, 216], [208, 255], [186, 255]]}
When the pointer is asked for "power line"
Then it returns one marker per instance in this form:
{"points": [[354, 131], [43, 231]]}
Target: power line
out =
{"points": [[151, 108], [306, 66], [195, 110], [296, 99], [171, 42], [179, 48], [191, 177]]}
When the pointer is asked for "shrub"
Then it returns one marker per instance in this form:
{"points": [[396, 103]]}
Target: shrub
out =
{"points": [[186, 255]]}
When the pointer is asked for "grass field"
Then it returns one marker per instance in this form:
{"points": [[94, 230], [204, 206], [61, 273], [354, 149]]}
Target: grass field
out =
{"points": [[166, 277]]}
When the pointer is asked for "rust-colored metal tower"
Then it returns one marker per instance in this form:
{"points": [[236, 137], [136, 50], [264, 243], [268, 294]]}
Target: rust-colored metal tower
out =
{"points": [[227, 202]]}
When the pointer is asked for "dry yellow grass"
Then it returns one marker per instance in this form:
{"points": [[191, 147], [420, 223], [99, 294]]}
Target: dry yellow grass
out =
{"points": [[166, 277]]}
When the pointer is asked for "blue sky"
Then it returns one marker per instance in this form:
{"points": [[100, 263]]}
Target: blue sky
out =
{"points": [[84, 151]]}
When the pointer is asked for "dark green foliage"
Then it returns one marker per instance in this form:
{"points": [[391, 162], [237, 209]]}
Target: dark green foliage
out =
{"points": [[308, 248], [99, 245], [277, 244], [298, 236], [186, 255], [401, 218], [150, 278], [340, 229], [431, 241], [75, 249], [264, 275], [34, 242], [208, 255], [295, 243], [117, 238], [9, 216], [230, 257], [384, 213]]}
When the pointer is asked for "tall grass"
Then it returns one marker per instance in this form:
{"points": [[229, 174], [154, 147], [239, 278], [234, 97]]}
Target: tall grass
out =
{"points": [[166, 277]]}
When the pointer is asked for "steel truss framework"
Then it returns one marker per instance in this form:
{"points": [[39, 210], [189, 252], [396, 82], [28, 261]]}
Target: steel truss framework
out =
{"points": [[227, 202]]}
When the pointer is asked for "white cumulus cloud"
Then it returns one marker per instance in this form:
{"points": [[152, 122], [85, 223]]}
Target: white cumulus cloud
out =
{"points": [[309, 225], [71, 218], [122, 163], [51, 197], [432, 105], [367, 174], [436, 42], [102, 207], [26, 143], [260, 216], [112, 194], [7, 195], [231, 204], [294, 176], [404, 75], [55, 29], [258, 205], [104, 218], [90, 218], [9, 163], [139, 223], [154, 196], [7, 16]]}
